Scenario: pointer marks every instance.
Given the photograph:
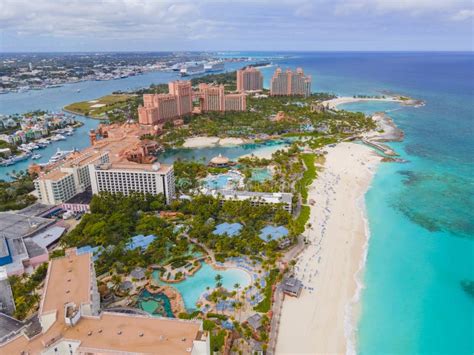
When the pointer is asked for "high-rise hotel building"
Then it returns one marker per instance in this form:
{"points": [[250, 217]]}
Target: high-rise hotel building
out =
{"points": [[213, 98], [290, 83], [161, 108], [249, 79], [127, 178], [119, 162]]}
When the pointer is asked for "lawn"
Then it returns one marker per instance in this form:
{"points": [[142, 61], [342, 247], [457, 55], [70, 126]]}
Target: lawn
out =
{"points": [[110, 102]]}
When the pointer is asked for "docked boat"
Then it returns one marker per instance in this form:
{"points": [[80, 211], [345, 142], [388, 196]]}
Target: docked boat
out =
{"points": [[193, 69], [214, 66], [59, 155], [57, 137]]}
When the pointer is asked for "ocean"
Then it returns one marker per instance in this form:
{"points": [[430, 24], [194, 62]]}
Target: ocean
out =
{"points": [[420, 213]]}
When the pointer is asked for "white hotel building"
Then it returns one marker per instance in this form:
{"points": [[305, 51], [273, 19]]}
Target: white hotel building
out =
{"points": [[130, 177], [93, 169]]}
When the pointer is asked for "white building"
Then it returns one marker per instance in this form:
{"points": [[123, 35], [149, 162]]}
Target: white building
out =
{"points": [[93, 169], [69, 179], [256, 198], [130, 177]]}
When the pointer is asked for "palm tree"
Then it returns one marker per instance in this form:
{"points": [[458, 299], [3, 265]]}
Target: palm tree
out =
{"points": [[237, 286], [218, 279]]}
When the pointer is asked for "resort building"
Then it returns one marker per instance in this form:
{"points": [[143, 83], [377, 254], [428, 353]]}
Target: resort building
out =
{"points": [[61, 184], [127, 178], [24, 239], [213, 98], [70, 321], [183, 92], [290, 83], [160, 108], [249, 79], [235, 102], [291, 286], [119, 162], [256, 198]]}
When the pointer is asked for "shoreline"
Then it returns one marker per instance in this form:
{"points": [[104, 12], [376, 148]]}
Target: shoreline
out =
{"points": [[205, 142], [339, 237], [406, 101]]}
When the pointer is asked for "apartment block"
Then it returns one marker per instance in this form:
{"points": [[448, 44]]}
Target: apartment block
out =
{"points": [[290, 83], [249, 79]]}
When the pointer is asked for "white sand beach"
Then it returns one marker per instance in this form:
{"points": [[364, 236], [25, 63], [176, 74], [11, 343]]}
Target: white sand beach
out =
{"points": [[202, 142], [333, 103], [321, 319]]}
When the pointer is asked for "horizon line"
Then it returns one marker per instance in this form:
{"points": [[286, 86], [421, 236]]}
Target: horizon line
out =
{"points": [[248, 51]]}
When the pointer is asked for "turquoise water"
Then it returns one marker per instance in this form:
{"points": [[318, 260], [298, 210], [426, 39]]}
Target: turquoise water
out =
{"points": [[420, 249], [156, 304], [222, 181], [231, 152], [420, 213], [193, 287], [260, 174]]}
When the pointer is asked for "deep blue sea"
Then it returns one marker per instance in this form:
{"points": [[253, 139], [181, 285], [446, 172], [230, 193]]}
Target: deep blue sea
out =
{"points": [[420, 213]]}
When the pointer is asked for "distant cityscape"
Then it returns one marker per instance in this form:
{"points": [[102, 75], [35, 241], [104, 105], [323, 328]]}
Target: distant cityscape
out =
{"points": [[20, 72]]}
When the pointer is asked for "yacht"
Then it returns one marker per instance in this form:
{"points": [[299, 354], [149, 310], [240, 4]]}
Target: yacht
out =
{"points": [[36, 156], [59, 155]]}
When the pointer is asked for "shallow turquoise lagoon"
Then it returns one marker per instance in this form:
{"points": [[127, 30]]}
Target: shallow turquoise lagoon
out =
{"points": [[193, 287], [155, 304], [260, 174]]}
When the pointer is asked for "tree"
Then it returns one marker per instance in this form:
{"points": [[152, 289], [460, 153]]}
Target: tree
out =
{"points": [[218, 279]]}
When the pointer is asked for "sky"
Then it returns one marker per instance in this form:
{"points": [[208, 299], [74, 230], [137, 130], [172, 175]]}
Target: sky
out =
{"points": [[165, 25]]}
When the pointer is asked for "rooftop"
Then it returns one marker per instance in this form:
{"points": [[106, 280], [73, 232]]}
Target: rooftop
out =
{"points": [[231, 229], [141, 241], [126, 165], [273, 233], [15, 225], [275, 197], [69, 278], [49, 236], [8, 325]]}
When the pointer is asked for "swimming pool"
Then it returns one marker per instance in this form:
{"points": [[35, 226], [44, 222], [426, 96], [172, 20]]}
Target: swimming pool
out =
{"points": [[193, 287], [222, 181]]}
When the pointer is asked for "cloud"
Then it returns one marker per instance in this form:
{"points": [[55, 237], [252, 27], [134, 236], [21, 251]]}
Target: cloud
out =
{"points": [[413, 7], [238, 24], [106, 17], [463, 15]]}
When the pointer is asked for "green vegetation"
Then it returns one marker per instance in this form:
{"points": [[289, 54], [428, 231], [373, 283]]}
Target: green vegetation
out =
{"points": [[265, 305], [308, 176], [302, 219], [188, 173], [58, 253], [192, 315], [15, 194], [217, 340], [24, 291], [114, 219], [13, 148], [110, 102]]}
